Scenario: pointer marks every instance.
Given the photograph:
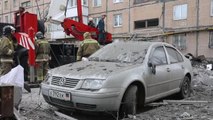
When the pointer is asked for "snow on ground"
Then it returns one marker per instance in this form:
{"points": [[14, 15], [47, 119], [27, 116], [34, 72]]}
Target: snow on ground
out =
{"points": [[34, 107]]}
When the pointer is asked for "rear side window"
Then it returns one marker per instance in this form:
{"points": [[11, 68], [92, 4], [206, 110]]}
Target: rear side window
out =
{"points": [[174, 55], [159, 56]]}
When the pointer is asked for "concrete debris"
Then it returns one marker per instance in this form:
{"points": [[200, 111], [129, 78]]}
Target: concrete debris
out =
{"points": [[186, 116], [64, 116], [184, 102], [18, 115]]}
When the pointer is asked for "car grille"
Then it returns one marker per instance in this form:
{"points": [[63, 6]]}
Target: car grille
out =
{"points": [[85, 106], [70, 83], [67, 104]]}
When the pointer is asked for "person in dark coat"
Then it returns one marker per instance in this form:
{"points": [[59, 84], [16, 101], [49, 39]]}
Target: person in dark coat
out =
{"points": [[101, 29], [91, 23]]}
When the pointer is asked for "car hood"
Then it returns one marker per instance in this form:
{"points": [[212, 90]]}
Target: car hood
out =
{"points": [[90, 69]]}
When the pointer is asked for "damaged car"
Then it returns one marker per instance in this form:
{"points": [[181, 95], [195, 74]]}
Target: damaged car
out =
{"points": [[120, 77]]}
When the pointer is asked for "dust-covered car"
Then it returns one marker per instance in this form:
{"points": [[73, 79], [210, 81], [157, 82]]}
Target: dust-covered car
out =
{"points": [[122, 76]]}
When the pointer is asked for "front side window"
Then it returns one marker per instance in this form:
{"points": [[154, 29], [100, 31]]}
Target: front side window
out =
{"points": [[211, 39], [180, 12], [179, 41], [174, 56], [96, 3], [159, 56], [117, 20]]}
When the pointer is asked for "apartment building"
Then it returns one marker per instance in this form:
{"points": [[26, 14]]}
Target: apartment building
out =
{"points": [[8, 8], [187, 24]]}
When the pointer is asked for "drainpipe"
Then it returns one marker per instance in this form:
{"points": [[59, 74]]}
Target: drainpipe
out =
{"points": [[129, 18], [106, 14], [163, 21], [197, 26], [163, 12]]}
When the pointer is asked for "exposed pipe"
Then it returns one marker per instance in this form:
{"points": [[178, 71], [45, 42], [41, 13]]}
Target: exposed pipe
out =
{"points": [[129, 18], [39, 12], [79, 10], [197, 26]]}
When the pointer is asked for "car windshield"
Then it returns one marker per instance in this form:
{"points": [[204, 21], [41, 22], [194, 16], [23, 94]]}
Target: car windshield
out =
{"points": [[125, 52]]}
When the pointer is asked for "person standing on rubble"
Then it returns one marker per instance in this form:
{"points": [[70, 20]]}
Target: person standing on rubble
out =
{"points": [[87, 47], [8, 44], [101, 29], [42, 56]]}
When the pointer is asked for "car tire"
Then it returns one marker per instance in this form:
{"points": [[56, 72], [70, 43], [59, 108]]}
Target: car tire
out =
{"points": [[185, 90], [129, 102]]}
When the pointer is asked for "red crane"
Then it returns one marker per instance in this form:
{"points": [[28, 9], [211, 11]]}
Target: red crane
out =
{"points": [[78, 28]]}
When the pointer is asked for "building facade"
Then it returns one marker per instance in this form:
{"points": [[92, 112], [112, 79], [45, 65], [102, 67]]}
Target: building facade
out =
{"points": [[187, 24], [8, 8]]}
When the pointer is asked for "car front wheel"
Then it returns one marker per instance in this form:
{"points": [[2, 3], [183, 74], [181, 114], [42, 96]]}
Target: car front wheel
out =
{"points": [[129, 102], [185, 88]]}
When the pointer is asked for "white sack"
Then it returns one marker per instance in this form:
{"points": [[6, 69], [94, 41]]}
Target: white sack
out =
{"points": [[14, 77]]}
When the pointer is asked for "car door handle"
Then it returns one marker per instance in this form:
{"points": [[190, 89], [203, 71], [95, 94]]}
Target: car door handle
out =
{"points": [[168, 70], [182, 67]]}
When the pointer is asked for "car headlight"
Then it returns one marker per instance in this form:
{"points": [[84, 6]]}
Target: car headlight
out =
{"points": [[47, 78], [92, 84]]}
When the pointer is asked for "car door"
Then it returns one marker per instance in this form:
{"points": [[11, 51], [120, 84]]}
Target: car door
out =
{"points": [[158, 81], [176, 68]]}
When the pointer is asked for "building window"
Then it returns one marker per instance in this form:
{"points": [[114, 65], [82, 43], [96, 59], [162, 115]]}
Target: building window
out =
{"points": [[180, 12], [211, 39], [96, 3], [146, 23], [6, 5], [211, 12], [96, 20], [117, 20], [85, 2], [26, 4], [72, 3], [6, 19], [117, 1], [179, 41], [14, 3], [141, 1]]}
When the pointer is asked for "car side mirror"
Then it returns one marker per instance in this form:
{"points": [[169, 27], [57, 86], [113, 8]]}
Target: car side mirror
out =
{"points": [[153, 67]]}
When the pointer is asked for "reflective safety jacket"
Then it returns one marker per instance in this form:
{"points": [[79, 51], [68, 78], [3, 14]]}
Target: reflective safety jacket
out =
{"points": [[42, 50], [87, 47]]}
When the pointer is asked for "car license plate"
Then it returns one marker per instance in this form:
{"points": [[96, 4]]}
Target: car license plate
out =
{"points": [[59, 95]]}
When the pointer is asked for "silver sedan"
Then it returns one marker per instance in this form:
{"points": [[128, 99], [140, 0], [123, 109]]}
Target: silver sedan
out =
{"points": [[120, 77]]}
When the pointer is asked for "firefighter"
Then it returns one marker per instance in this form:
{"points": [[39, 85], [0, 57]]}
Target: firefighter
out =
{"points": [[42, 56], [87, 47], [8, 44]]}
